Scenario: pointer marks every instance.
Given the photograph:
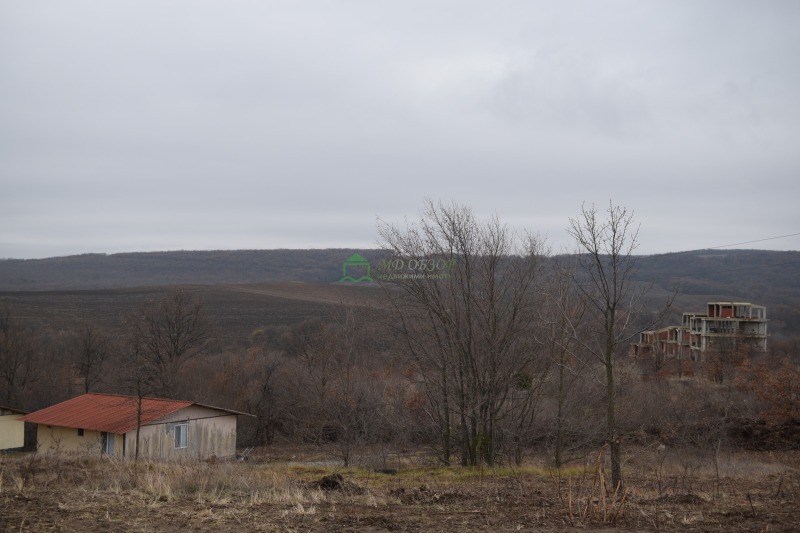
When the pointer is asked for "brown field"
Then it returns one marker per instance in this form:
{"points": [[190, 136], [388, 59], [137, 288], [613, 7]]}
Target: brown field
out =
{"points": [[235, 310], [296, 489]]}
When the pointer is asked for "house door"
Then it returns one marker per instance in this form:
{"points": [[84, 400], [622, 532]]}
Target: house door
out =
{"points": [[107, 443]]}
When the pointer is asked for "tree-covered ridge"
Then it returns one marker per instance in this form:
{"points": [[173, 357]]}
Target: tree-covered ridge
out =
{"points": [[770, 278]]}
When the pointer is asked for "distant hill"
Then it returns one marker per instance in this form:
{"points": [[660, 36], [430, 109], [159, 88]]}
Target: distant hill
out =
{"points": [[110, 271], [767, 278]]}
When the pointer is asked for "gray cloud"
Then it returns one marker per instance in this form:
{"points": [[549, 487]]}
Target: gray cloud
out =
{"points": [[159, 125]]}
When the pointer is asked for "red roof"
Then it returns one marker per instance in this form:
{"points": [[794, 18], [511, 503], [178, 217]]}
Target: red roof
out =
{"points": [[104, 412]]}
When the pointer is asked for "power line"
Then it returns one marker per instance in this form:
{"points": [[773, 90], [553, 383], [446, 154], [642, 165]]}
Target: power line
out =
{"points": [[753, 267], [726, 245], [757, 240]]}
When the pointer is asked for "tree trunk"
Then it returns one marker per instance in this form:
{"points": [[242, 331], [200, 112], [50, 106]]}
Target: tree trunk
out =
{"points": [[138, 428], [616, 463], [560, 415], [613, 438], [446, 430]]}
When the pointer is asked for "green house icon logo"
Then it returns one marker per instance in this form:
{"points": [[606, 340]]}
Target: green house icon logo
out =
{"points": [[355, 268]]}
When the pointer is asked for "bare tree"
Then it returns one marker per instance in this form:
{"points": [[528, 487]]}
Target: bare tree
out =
{"points": [[524, 402], [351, 409], [777, 388], [341, 401], [562, 310], [603, 280], [138, 376], [468, 325], [169, 333], [20, 360], [90, 350], [162, 337], [725, 355]]}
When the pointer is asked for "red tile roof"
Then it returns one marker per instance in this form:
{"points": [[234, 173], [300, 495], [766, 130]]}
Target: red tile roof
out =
{"points": [[104, 412]]}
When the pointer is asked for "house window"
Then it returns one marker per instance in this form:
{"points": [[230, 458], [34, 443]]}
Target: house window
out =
{"points": [[181, 434], [107, 441], [80, 432]]}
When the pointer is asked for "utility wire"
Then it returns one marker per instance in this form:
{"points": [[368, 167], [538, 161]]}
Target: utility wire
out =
{"points": [[737, 244], [757, 240], [726, 245]]}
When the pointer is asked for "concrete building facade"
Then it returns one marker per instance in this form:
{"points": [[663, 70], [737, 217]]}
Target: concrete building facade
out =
{"points": [[724, 326]]}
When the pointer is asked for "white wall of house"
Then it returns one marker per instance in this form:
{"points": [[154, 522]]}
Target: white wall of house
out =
{"points": [[55, 439], [12, 431], [208, 432]]}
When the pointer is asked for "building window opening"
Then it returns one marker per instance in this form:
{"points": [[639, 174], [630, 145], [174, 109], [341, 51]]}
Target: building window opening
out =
{"points": [[181, 435]]}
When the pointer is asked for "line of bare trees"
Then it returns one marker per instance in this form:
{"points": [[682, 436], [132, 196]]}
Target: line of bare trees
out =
{"points": [[485, 337]]}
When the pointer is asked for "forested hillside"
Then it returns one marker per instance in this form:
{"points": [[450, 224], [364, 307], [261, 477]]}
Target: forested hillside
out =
{"points": [[763, 277], [102, 271]]}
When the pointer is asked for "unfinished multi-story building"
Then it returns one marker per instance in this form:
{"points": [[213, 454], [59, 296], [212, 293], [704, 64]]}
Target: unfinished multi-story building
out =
{"points": [[724, 326], [660, 342]]}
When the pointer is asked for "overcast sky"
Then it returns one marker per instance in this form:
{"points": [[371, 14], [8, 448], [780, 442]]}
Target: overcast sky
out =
{"points": [[161, 125]]}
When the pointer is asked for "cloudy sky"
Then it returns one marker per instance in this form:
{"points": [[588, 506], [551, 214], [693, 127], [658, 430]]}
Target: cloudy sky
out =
{"points": [[160, 125]]}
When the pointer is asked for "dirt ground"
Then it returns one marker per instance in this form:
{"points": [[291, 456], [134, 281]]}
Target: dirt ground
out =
{"points": [[744, 492]]}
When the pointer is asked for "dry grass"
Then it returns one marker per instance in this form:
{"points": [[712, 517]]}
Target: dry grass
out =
{"points": [[588, 496], [661, 494]]}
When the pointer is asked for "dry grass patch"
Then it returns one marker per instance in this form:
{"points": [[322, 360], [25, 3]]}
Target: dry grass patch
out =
{"points": [[751, 492]]}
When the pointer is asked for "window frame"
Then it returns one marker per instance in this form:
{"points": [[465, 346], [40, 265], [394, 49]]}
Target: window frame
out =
{"points": [[108, 443], [181, 438]]}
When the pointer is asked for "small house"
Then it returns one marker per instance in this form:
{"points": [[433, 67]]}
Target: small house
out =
{"points": [[107, 424], [12, 429]]}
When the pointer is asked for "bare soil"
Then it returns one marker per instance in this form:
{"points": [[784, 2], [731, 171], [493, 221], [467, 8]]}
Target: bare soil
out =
{"points": [[235, 310], [740, 492]]}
